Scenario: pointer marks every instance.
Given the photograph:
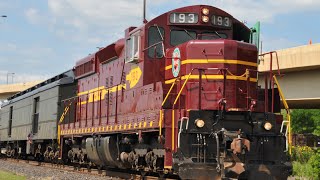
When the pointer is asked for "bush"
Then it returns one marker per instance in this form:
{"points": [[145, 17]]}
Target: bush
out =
{"points": [[314, 161], [302, 170], [302, 154], [306, 162]]}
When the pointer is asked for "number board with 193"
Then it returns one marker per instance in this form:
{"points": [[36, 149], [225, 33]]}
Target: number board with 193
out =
{"points": [[184, 18], [221, 21]]}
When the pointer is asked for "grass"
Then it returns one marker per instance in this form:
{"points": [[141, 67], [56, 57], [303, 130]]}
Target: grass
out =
{"points": [[4, 175]]}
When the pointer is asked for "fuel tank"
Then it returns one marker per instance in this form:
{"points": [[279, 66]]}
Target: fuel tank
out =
{"points": [[103, 151]]}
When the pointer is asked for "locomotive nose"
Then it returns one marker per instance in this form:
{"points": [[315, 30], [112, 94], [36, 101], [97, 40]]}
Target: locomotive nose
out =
{"points": [[219, 53], [208, 68]]}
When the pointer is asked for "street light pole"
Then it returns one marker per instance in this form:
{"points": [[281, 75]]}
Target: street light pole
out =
{"points": [[8, 77], [12, 77]]}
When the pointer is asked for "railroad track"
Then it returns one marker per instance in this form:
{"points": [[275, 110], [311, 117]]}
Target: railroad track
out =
{"points": [[112, 173]]}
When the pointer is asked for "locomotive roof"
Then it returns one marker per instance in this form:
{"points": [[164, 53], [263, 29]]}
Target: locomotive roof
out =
{"points": [[195, 8]]}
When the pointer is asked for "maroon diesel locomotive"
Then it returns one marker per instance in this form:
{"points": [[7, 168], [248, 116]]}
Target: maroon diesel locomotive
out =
{"points": [[177, 95]]}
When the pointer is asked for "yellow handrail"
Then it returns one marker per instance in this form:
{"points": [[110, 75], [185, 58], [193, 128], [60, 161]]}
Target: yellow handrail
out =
{"points": [[184, 84], [160, 121], [175, 101], [161, 111], [165, 99], [66, 109], [287, 109]]}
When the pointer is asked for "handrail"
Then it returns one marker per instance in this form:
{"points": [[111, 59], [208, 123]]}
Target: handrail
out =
{"points": [[179, 94], [175, 101], [165, 99], [66, 109], [163, 102], [186, 80], [271, 60], [284, 101], [271, 75], [180, 130], [184, 84]]}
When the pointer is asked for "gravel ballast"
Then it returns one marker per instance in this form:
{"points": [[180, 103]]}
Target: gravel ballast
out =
{"points": [[32, 172]]}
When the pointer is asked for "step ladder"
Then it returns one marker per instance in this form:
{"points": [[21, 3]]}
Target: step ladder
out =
{"points": [[287, 123]]}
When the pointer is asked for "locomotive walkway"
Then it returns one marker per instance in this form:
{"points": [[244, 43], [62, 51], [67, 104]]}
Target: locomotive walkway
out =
{"points": [[300, 67]]}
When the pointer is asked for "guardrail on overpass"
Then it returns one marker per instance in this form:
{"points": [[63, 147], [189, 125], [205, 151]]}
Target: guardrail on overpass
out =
{"points": [[300, 67]]}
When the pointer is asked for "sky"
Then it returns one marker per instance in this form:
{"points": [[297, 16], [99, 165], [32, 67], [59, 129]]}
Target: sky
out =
{"points": [[42, 38]]}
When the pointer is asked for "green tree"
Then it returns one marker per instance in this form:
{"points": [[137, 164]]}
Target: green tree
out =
{"points": [[306, 121], [317, 124]]}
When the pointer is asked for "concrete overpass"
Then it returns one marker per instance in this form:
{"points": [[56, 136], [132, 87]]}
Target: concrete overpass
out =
{"points": [[7, 90], [301, 69]]}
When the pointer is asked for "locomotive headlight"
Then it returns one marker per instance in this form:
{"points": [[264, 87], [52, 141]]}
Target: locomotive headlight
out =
{"points": [[199, 123], [267, 126], [205, 19], [205, 11]]}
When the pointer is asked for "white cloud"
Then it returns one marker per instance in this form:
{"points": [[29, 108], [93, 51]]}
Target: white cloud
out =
{"points": [[96, 22], [94, 40], [273, 43], [8, 47], [32, 15], [31, 62], [33, 52], [84, 13], [89, 23], [92, 22]]}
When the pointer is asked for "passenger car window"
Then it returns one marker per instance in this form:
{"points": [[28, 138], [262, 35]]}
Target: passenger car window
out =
{"points": [[155, 44]]}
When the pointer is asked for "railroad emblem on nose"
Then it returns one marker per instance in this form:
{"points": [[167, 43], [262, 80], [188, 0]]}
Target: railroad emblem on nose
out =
{"points": [[176, 63]]}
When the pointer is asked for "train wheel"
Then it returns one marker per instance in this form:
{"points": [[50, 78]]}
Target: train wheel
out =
{"points": [[100, 169], [89, 167], [161, 176], [143, 175]]}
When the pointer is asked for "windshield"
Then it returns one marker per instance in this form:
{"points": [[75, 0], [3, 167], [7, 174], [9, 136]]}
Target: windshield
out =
{"points": [[181, 36], [212, 35]]}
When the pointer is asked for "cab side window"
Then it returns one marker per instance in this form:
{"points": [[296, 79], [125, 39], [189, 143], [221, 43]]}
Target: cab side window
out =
{"points": [[155, 44], [133, 47]]}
